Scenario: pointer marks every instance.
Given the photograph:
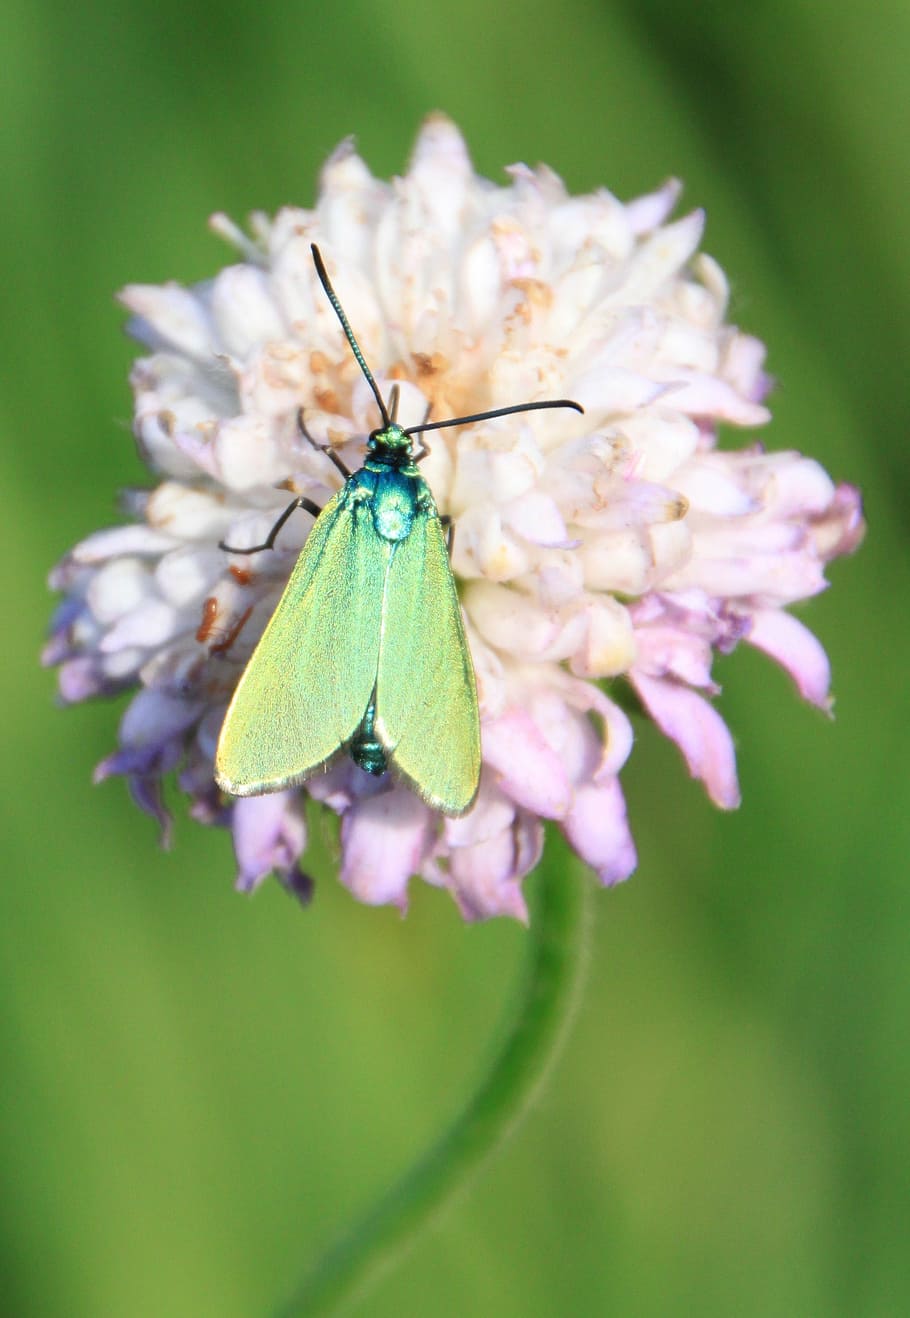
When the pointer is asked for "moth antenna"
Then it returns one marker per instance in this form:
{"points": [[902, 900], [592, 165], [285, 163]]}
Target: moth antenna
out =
{"points": [[348, 332], [498, 411]]}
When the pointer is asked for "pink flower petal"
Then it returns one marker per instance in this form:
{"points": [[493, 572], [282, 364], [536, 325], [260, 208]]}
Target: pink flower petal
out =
{"points": [[617, 735], [598, 829], [153, 717], [486, 878], [672, 651], [81, 678], [699, 732], [530, 771], [269, 836], [795, 648], [146, 791], [384, 839], [153, 733], [492, 812]]}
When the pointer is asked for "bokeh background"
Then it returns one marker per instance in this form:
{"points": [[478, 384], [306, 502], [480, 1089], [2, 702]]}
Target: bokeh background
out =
{"points": [[198, 1090]]}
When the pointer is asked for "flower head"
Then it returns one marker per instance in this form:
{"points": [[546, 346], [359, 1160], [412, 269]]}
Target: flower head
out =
{"points": [[621, 546]]}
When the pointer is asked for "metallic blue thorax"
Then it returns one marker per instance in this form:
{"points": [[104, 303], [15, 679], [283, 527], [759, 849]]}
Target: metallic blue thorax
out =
{"points": [[395, 495]]}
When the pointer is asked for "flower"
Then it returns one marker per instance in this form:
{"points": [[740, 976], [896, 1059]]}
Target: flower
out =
{"points": [[593, 553]]}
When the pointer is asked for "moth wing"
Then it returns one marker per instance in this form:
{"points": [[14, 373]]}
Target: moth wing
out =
{"points": [[310, 678], [426, 695]]}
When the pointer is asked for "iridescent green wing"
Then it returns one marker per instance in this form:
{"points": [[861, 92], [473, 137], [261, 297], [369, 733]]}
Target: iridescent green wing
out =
{"points": [[310, 678], [426, 696]]}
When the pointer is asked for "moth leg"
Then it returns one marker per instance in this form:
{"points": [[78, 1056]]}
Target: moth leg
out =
{"points": [[423, 449], [448, 526], [323, 448], [269, 541]]}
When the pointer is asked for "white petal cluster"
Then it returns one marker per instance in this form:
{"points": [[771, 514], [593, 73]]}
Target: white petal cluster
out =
{"points": [[616, 550]]}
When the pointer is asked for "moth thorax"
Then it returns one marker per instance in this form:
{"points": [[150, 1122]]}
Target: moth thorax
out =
{"points": [[393, 509]]}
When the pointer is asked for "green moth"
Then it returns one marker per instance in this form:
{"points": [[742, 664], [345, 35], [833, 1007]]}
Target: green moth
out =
{"points": [[366, 650]]}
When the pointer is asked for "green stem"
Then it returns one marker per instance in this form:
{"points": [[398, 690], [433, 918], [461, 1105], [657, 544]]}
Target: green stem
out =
{"points": [[543, 1013]]}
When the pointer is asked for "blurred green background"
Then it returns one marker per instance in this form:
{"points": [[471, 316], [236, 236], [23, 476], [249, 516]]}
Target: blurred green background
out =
{"points": [[199, 1090]]}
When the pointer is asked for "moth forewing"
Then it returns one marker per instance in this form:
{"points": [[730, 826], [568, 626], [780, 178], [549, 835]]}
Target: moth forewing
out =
{"points": [[426, 694], [307, 684]]}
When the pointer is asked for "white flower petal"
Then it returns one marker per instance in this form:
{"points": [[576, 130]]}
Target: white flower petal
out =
{"points": [[152, 623], [743, 366], [800, 487], [661, 440], [710, 489], [621, 563], [441, 171], [171, 316], [699, 394], [609, 643], [186, 513], [659, 258], [646, 213], [183, 576], [613, 391], [247, 454], [491, 550], [511, 621], [775, 578], [243, 310], [118, 588], [120, 541], [536, 517], [348, 194]]}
